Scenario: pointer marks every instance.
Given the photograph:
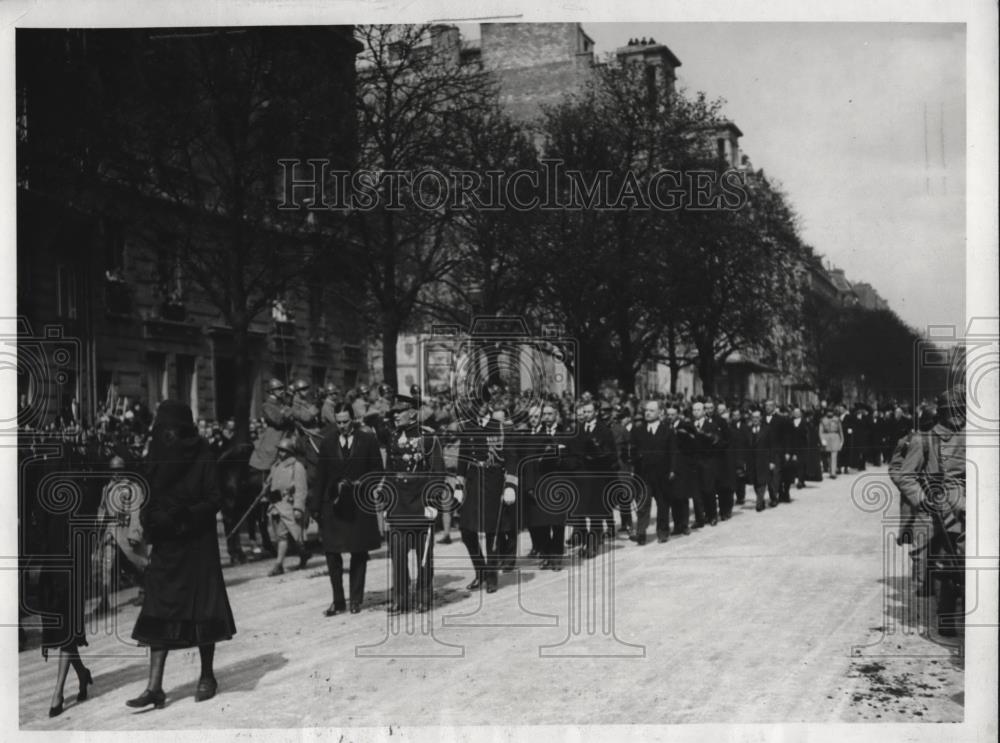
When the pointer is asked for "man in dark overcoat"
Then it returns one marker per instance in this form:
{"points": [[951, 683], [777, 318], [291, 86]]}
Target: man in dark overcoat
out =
{"points": [[347, 456], [761, 458], [652, 451], [544, 509]]}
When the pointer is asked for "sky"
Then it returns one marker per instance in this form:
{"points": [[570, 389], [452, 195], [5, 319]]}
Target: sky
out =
{"points": [[835, 113]]}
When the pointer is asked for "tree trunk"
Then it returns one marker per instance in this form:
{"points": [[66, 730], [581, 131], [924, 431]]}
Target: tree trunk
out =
{"points": [[673, 363], [706, 370], [241, 384], [390, 334]]}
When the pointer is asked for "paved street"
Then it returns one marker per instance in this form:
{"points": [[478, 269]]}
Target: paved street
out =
{"points": [[760, 619]]}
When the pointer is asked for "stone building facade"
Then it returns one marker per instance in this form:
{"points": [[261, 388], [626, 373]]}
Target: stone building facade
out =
{"points": [[136, 327]]}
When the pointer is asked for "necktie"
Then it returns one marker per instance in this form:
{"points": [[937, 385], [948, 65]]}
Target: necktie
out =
{"points": [[755, 430], [652, 429], [343, 442]]}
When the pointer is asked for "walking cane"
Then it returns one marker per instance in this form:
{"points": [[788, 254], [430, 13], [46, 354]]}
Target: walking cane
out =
{"points": [[427, 546], [496, 532], [256, 502]]}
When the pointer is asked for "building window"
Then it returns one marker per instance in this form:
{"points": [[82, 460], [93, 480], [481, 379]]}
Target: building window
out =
{"points": [[187, 381], [156, 378], [315, 303], [114, 248], [651, 85], [66, 288], [318, 377]]}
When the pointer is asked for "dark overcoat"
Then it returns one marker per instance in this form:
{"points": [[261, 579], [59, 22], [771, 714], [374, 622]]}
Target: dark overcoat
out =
{"points": [[348, 522], [185, 602]]}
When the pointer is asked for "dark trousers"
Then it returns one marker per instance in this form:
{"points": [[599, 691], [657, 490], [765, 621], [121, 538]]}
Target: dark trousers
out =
{"points": [[680, 509], [741, 490], [774, 484], [507, 547], [486, 565], [548, 540], [656, 489], [625, 511], [401, 541], [760, 491], [725, 499], [358, 570]]}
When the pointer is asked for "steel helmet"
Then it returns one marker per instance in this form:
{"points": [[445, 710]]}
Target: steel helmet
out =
{"points": [[275, 385], [117, 463], [300, 385], [286, 444]]}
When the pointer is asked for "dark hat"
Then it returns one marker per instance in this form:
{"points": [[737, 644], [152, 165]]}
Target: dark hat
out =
{"points": [[402, 402], [953, 399], [174, 414]]}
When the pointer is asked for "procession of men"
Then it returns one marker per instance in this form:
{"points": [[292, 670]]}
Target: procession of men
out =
{"points": [[353, 472]]}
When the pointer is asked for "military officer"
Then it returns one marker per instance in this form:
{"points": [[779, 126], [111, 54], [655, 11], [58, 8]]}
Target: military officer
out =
{"points": [[486, 487], [414, 486]]}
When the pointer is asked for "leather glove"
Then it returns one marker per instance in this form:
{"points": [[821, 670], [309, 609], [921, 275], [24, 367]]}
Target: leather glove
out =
{"points": [[509, 496], [430, 512], [458, 494]]}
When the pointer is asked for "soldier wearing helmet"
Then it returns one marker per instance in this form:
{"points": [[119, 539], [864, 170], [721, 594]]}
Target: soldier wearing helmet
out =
{"points": [[331, 399], [931, 480], [277, 422], [286, 491]]}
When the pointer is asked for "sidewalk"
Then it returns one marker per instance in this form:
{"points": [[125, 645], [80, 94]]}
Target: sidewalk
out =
{"points": [[795, 614]]}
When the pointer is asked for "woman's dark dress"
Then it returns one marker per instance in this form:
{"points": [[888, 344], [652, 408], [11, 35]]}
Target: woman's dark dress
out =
{"points": [[186, 602]]}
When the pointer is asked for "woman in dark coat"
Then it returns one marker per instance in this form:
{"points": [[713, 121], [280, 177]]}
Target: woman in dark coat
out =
{"points": [[185, 603], [60, 592]]}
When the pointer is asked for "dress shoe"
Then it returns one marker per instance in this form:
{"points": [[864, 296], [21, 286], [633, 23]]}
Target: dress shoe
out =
{"points": [[397, 608], [207, 687], [687, 531], [725, 516], [625, 527], [534, 553], [555, 564], [303, 560], [478, 582], [799, 485], [698, 525], [635, 537], [662, 539], [85, 680], [640, 541], [57, 710], [714, 521], [276, 570], [156, 698], [355, 607], [334, 609], [740, 501], [773, 504], [491, 587]]}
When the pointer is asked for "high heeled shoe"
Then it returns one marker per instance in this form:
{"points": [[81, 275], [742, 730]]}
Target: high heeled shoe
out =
{"points": [[85, 680], [156, 698], [57, 710], [207, 687]]}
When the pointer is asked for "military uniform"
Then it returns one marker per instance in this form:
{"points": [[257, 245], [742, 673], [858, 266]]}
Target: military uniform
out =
{"points": [[414, 478], [286, 490], [486, 467]]}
